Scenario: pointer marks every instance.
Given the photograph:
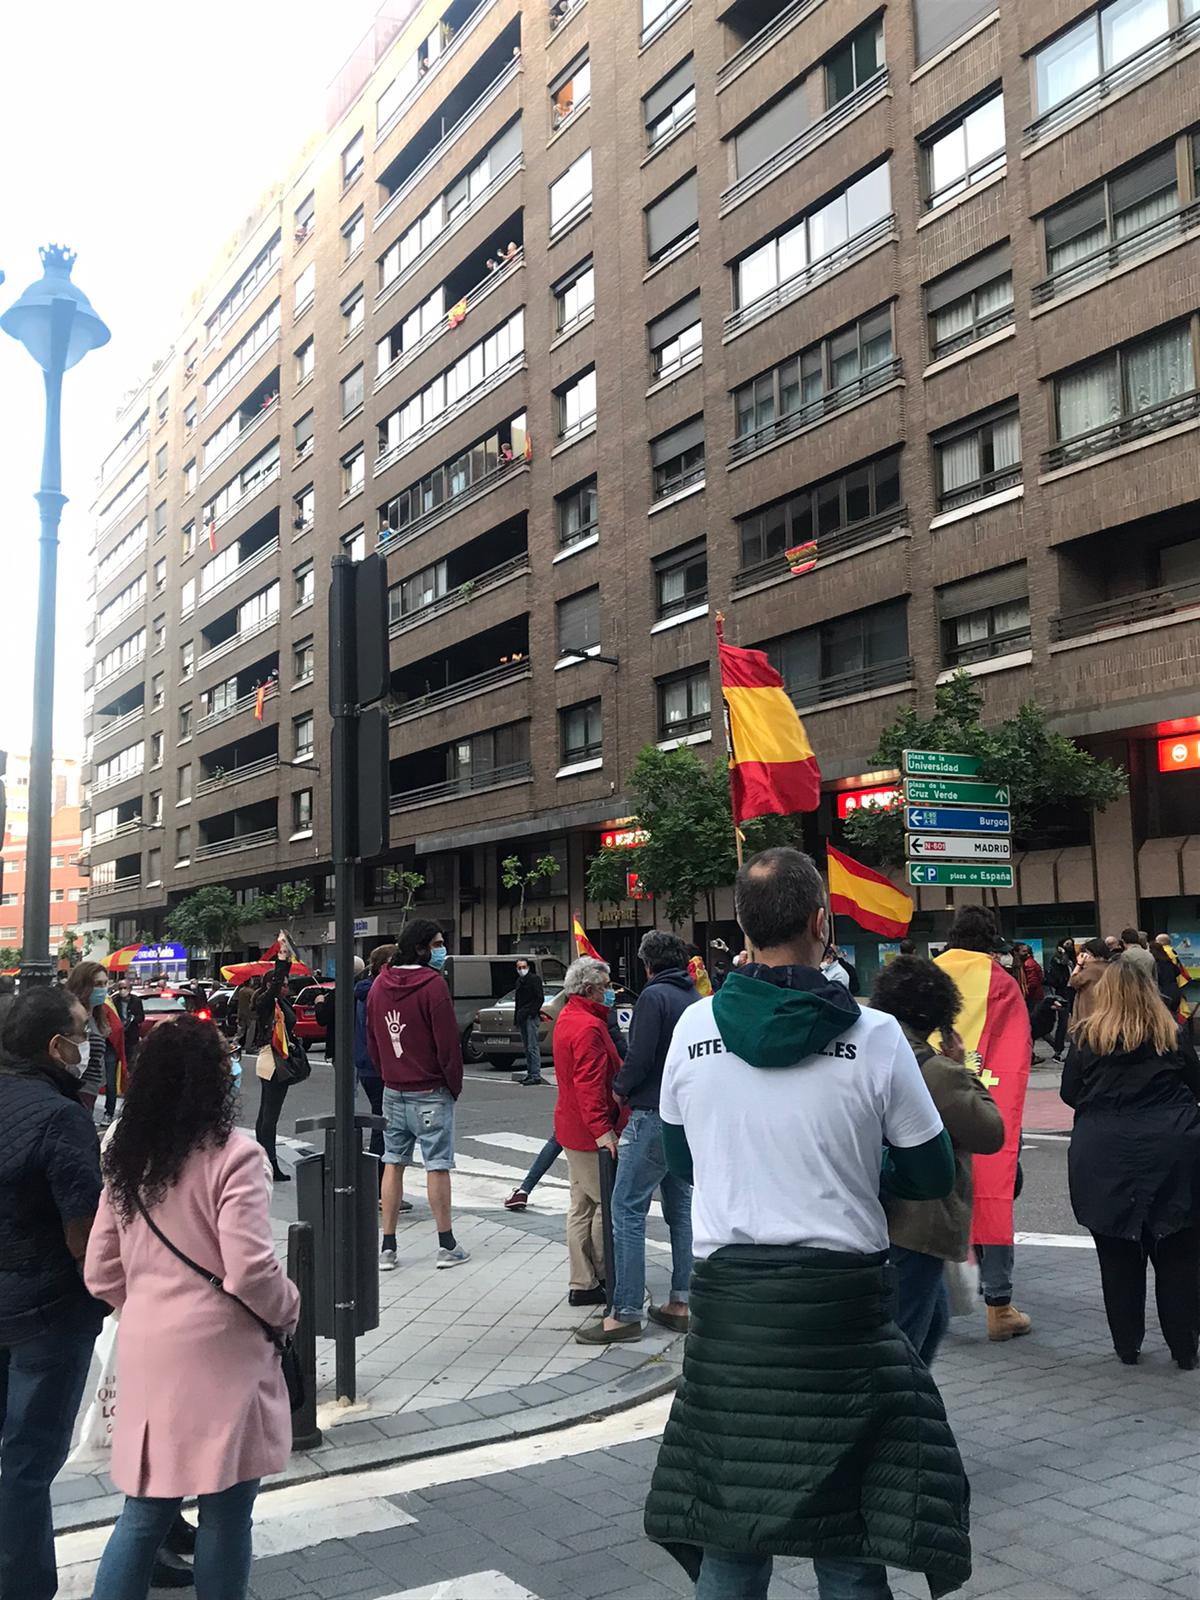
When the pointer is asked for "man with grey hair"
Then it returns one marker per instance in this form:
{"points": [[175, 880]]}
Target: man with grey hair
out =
{"points": [[641, 1162]]}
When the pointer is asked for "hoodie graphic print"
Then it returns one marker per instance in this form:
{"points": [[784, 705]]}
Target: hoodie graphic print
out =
{"points": [[412, 1033]]}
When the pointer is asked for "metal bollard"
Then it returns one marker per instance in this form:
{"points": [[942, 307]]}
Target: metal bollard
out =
{"points": [[608, 1173], [302, 1270]]}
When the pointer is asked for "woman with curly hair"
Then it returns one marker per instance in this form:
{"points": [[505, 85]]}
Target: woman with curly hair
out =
{"points": [[204, 1407]]}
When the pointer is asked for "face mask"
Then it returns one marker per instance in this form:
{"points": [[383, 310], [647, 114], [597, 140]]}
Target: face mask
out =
{"points": [[437, 957], [522, 972], [78, 1067], [1006, 961], [99, 996], [610, 997]]}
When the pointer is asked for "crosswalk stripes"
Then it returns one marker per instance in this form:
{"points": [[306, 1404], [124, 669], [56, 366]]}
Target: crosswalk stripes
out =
{"points": [[471, 1586]]}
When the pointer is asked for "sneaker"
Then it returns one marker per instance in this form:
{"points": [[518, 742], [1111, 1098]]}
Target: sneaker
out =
{"points": [[532, 1083], [517, 1201], [452, 1258], [387, 1261]]}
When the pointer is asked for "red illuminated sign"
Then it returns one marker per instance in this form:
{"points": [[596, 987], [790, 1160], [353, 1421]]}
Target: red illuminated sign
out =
{"points": [[855, 799], [622, 838], [633, 887], [1178, 755]]}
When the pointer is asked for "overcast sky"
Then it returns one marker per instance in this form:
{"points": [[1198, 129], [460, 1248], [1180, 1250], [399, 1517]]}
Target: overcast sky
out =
{"points": [[140, 134]]}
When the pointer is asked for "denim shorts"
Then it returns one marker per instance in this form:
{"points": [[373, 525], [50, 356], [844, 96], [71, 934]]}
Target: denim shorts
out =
{"points": [[426, 1119]]}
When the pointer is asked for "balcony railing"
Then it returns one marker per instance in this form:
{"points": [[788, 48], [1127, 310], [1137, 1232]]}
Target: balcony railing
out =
{"points": [[470, 589], [845, 685], [132, 880], [763, 40], [235, 708], [100, 784], [427, 78], [392, 538], [268, 550], [1100, 262], [222, 779], [982, 489], [227, 645], [212, 401], [143, 495], [423, 256], [103, 629], [103, 579], [1155, 54], [817, 272], [256, 421], [239, 841], [663, 20], [464, 689], [827, 405], [1123, 431], [244, 499], [816, 133], [120, 831], [677, 482], [1124, 612], [455, 131], [470, 783], [493, 381], [119, 724], [838, 543], [470, 301], [117, 672]]}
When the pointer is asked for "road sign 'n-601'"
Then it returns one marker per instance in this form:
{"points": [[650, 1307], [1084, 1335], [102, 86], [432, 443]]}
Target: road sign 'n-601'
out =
{"points": [[958, 875], [956, 847]]}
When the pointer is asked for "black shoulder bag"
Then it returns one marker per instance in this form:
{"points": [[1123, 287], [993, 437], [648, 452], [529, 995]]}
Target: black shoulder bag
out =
{"points": [[293, 1373]]}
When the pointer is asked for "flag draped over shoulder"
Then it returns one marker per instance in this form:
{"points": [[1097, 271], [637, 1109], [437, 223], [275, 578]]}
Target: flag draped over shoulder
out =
{"points": [[279, 1038], [994, 1025], [872, 900], [772, 769], [583, 945]]}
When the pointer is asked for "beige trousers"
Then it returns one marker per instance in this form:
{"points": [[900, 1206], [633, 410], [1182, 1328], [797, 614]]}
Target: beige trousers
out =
{"points": [[585, 1224]]}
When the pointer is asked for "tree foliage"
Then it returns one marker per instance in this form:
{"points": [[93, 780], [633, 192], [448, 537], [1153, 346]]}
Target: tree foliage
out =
{"points": [[515, 876], [409, 885], [1043, 769], [682, 804], [210, 917], [11, 957]]}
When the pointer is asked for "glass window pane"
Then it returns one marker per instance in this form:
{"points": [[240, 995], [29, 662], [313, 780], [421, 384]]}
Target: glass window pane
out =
{"points": [[793, 253], [1129, 26], [1068, 64], [827, 228], [1088, 398], [858, 494], [985, 131], [947, 161], [829, 507], [887, 483], [868, 200], [1157, 370], [959, 463]]}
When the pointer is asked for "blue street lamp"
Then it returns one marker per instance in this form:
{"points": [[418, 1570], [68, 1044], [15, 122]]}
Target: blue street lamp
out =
{"points": [[55, 322]]}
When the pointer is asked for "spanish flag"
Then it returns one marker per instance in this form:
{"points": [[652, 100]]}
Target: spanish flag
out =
{"points": [[259, 701], [698, 973], [583, 945], [211, 530], [772, 769], [458, 313], [528, 450], [872, 900], [994, 1025], [279, 1039]]}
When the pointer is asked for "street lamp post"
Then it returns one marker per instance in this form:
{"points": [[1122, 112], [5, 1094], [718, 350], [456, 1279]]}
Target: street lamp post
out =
{"points": [[55, 322]]}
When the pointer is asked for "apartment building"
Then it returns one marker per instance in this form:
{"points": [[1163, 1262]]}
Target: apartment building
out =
{"points": [[585, 316], [68, 886]]}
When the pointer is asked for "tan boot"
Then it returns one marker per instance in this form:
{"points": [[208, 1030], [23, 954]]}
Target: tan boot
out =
{"points": [[1006, 1322]]}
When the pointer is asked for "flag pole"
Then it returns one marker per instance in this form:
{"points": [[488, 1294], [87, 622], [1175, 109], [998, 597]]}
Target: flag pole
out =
{"points": [[738, 841]]}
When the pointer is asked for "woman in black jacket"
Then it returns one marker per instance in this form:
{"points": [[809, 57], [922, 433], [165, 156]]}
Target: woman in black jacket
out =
{"points": [[1134, 1161]]}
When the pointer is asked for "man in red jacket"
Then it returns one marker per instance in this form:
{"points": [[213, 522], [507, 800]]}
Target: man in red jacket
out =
{"points": [[587, 1120], [412, 1039]]}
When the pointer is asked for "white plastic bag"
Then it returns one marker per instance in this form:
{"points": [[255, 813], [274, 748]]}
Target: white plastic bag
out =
{"points": [[93, 1446], [962, 1286]]}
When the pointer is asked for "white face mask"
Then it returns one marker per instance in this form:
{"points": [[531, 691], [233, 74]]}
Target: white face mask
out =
{"points": [[79, 1066], [521, 971]]}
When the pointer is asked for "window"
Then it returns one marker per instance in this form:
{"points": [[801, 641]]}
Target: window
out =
{"points": [[352, 392], [571, 194], [187, 659], [677, 458], [580, 733], [302, 736], [303, 434], [421, 322], [940, 22], [1093, 231], [157, 693], [574, 296], [759, 141], [675, 338], [684, 704], [671, 104], [414, 594], [189, 539], [829, 513], [304, 584], [454, 387], [303, 660], [352, 312], [121, 553], [160, 579], [578, 513], [476, 465], [187, 598], [969, 303], [979, 457], [353, 472], [303, 218], [185, 721], [570, 91], [156, 808], [121, 656], [302, 811], [579, 622], [304, 508], [680, 580], [183, 787], [577, 405], [820, 237], [672, 219], [657, 13], [154, 864], [183, 846], [305, 287], [984, 616], [1126, 392], [965, 151], [354, 231], [159, 632], [160, 520], [156, 750], [259, 270], [352, 160], [855, 61], [160, 462], [189, 477], [1067, 69], [355, 544], [264, 332], [189, 416], [163, 406], [844, 655], [306, 362]]}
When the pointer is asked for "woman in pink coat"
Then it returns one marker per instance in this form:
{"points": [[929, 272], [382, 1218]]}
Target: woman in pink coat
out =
{"points": [[202, 1407]]}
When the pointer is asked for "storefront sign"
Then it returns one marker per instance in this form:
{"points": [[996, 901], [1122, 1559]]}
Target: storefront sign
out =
{"points": [[1179, 755], [161, 952], [852, 800], [622, 838]]}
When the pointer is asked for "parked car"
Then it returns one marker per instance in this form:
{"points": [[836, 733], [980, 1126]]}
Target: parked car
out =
{"points": [[479, 982], [308, 1029], [160, 1005], [496, 1037]]}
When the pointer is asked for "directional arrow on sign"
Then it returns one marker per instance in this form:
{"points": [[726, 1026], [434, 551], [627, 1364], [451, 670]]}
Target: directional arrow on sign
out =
{"points": [[957, 819], [955, 792], [955, 847]]}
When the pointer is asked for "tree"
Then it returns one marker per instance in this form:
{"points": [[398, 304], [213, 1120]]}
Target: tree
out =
{"points": [[514, 876], [283, 905], [1044, 770], [409, 884], [10, 957], [682, 805], [68, 950], [92, 937], [211, 917]]}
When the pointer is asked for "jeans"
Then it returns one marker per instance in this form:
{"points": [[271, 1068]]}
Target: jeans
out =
{"points": [[731, 1575], [112, 1065], [532, 1046], [546, 1157], [923, 1311], [995, 1272], [1176, 1289], [373, 1089], [222, 1564], [270, 1103], [41, 1385], [642, 1168]]}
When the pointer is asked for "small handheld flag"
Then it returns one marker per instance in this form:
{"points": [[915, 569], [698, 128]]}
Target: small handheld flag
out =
{"points": [[872, 900], [583, 945]]}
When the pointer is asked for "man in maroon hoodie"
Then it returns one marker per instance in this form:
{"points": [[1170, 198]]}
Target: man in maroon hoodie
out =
{"points": [[412, 1038]]}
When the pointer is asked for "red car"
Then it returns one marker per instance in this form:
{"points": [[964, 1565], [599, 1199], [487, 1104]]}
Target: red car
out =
{"points": [[160, 1005], [308, 1029]]}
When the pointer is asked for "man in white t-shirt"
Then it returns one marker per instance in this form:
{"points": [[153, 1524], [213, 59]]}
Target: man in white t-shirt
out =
{"points": [[785, 1105]]}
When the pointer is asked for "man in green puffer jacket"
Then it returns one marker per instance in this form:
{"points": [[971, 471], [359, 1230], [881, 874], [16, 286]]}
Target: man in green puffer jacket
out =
{"points": [[805, 1424]]}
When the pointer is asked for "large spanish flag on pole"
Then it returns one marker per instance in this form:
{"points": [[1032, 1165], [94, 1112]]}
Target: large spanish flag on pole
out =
{"points": [[994, 1025], [872, 900], [772, 769]]}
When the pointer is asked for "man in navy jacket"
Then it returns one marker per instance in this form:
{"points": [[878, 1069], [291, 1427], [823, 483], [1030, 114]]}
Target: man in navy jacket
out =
{"points": [[641, 1164]]}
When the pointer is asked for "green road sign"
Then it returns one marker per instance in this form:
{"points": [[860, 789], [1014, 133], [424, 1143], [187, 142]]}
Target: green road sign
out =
{"points": [[955, 792], [940, 765], [924, 874]]}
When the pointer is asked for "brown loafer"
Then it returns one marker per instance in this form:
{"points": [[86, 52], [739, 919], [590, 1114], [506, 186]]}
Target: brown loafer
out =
{"points": [[675, 1320], [597, 1333]]}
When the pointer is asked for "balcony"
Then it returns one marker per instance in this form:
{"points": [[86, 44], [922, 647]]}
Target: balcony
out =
{"points": [[501, 375], [99, 785], [225, 779], [236, 708], [118, 724], [469, 590], [236, 843], [119, 672], [1158, 53], [817, 272], [236, 639], [805, 416], [759, 43], [393, 538], [815, 134], [103, 578], [120, 830], [260, 483], [140, 501], [1110, 435], [406, 274], [256, 421], [212, 401], [261, 555], [114, 886], [1097, 265], [1126, 612], [471, 783], [844, 541], [469, 302], [850, 685], [423, 82], [464, 689]]}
